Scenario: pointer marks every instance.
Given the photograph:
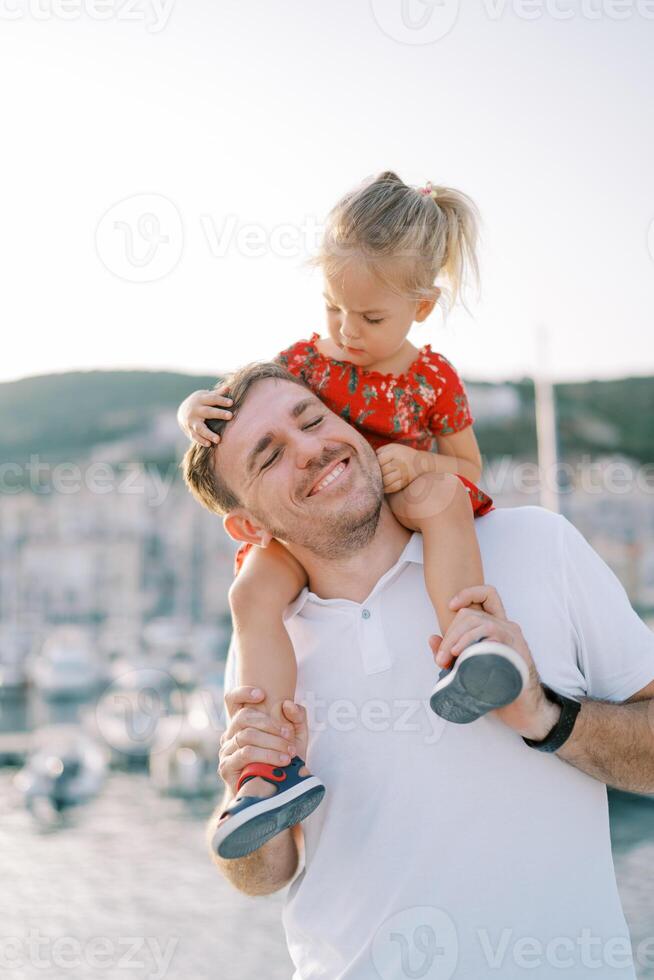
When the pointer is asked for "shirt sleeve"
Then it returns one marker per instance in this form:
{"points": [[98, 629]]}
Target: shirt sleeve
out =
{"points": [[615, 649], [451, 412]]}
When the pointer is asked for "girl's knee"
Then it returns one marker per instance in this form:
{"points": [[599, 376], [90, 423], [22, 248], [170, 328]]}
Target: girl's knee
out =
{"points": [[268, 576]]}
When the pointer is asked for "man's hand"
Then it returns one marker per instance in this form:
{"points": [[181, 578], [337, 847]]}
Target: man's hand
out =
{"points": [[530, 715], [400, 465], [253, 736]]}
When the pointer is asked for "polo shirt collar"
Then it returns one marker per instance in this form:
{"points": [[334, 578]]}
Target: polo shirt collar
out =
{"points": [[413, 553]]}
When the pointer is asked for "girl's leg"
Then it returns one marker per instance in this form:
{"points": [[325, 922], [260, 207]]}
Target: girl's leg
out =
{"points": [[269, 579], [438, 505]]}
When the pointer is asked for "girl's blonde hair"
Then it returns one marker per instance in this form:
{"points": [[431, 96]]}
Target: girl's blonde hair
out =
{"points": [[407, 236]]}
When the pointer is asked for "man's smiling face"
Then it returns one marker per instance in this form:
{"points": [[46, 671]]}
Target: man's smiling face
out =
{"points": [[299, 470]]}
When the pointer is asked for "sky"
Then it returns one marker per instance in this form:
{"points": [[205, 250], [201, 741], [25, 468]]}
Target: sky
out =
{"points": [[167, 167]]}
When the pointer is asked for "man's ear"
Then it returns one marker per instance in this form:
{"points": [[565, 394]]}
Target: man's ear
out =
{"points": [[240, 526], [426, 306]]}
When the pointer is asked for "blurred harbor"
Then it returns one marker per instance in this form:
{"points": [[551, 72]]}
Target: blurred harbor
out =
{"points": [[114, 628], [105, 868], [122, 886]]}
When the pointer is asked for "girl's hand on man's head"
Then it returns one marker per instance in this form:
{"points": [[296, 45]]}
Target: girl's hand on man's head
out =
{"points": [[200, 406]]}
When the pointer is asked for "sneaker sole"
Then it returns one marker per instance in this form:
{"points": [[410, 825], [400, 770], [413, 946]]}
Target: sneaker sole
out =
{"points": [[482, 683], [270, 819]]}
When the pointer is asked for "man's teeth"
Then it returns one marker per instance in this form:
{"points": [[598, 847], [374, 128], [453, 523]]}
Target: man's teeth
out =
{"points": [[336, 472]]}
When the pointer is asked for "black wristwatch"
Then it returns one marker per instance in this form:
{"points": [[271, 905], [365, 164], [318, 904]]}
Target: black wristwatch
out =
{"points": [[563, 728]]}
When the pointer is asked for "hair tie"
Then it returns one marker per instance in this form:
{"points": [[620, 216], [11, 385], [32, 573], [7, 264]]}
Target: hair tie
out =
{"points": [[429, 191]]}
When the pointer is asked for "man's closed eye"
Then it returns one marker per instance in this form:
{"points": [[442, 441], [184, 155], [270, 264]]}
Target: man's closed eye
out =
{"points": [[271, 459]]}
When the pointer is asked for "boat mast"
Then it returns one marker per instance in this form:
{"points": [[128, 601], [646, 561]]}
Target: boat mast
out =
{"points": [[546, 426]]}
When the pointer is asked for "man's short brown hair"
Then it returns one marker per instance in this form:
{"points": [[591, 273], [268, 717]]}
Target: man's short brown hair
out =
{"points": [[201, 475]]}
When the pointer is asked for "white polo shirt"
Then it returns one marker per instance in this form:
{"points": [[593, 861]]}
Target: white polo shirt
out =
{"points": [[455, 851]]}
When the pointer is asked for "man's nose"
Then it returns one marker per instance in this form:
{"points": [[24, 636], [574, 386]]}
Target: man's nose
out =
{"points": [[309, 447]]}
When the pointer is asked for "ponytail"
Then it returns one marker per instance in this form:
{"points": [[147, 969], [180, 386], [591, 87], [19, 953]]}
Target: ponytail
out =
{"points": [[409, 236]]}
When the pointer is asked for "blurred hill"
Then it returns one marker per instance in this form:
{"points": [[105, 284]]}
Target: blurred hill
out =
{"points": [[131, 415], [67, 416]]}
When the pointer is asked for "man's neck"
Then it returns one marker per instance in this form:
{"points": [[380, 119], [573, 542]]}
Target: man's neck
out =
{"points": [[354, 576]]}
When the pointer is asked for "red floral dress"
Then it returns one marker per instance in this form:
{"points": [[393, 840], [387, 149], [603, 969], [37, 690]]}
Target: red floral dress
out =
{"points": [[414, 408]]}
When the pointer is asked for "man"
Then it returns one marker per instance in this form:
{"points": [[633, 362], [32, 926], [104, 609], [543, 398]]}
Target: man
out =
{"points": [[439, 850]]}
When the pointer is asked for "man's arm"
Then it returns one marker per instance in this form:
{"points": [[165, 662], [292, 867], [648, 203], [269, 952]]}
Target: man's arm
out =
{"points": [[611, 742], [264, 871], [614, 743], [253, 736]]}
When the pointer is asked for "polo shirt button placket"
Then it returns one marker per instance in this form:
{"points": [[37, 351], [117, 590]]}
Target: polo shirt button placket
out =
{"points": [[375, 656]]}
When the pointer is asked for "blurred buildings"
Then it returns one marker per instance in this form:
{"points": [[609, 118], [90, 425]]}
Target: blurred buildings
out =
{"points": [[113, 558], [115, 545]]}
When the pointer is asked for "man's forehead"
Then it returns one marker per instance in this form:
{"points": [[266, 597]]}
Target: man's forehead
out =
{"points": [[269, 402]]}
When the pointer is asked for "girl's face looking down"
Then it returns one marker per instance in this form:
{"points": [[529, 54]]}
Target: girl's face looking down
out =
{"points": [[368, 320]]}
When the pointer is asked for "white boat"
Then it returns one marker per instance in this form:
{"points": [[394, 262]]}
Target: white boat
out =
{"points": [[127, 715], [184, 757], [66, 667], [186, 651], [65, 768]]}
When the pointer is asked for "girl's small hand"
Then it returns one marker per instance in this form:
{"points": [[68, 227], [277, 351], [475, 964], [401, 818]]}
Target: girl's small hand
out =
{"points": [[199, 406], [399, 466]]}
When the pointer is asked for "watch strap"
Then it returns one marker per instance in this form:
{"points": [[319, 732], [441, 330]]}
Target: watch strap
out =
{"points": [[563, 728]]}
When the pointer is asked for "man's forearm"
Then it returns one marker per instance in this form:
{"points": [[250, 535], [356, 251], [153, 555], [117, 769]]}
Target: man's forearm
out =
{"points": [[262, 872], [615, 744]]}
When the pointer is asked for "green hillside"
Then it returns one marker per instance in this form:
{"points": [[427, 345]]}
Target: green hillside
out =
{"points": [[63, 416]]}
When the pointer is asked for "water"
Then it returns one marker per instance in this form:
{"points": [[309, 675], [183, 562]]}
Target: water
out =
{"points": [[131, 866], [125, 889]]}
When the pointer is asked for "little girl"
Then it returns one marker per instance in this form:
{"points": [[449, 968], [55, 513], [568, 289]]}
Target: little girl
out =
{"points": [[384, 247]]}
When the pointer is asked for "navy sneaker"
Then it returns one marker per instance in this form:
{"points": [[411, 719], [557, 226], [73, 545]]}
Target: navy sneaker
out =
{"points": [[249, 821], [487, 675]]}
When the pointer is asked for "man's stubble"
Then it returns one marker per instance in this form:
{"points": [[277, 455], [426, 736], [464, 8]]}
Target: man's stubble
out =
{"points": [[345, 529]]}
